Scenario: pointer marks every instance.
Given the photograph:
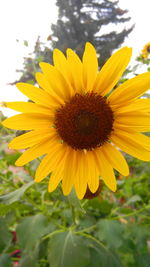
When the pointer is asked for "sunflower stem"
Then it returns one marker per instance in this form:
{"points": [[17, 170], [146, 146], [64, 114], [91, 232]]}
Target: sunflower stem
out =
{"points": [[74, 219]]}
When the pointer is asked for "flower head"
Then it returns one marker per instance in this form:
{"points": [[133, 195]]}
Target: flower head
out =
{"points": [[78, 124], [146, 50]]}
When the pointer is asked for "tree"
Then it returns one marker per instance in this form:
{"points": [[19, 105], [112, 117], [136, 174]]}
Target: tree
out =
{"points": [[85, 20], [80, 21]]}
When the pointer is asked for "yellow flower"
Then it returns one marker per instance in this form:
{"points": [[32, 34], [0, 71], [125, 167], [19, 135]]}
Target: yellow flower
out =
{"points": [[146, 50], [78, 125]]}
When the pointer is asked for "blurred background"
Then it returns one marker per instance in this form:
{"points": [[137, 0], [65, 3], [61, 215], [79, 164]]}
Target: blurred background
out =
{"points": [[30, 30]]}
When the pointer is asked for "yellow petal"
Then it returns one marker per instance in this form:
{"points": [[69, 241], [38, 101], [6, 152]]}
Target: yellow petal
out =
{"points": [[92, 171], [28, 107], [28, 121], [61, 64], [76, 68], [55, 178], [106, 171], [31, 138], [112, 70], [142, 139], [130, 89], [50, 161], [57, 174], [37, 95], [129, 145], [36, 151], [131, 127], [44, 83], [133, 118], [57, 81], [90, 66], [69, 172], [115, 159], [80, 176], [142, 129], [137, 105]]}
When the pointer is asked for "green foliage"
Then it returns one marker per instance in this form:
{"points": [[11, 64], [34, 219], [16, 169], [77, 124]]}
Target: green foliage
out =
{"points": [[101, 256], [73, 250], [5, 260], [5, 235], [15, 195], [142, 260], [110, 230], [32, 225]]}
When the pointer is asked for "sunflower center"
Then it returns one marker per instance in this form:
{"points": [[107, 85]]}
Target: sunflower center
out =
{"points": [[85, 122]]}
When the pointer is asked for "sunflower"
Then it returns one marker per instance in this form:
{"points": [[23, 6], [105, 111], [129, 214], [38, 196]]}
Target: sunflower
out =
{"points": [[146, 50], [78, 125]]}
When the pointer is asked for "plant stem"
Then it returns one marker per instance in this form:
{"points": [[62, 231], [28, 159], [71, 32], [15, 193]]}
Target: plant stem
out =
{"points": [[131, 213], [73, 215], [53, 233]]}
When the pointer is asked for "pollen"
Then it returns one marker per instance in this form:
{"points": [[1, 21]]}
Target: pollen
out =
{"points": [[85, 122]]}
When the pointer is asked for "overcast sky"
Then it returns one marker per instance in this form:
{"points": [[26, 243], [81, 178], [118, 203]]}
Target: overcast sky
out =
{"points": [[28, 19]]}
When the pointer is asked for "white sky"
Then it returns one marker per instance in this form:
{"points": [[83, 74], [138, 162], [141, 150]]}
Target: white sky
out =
{"points": [[28, 19]]}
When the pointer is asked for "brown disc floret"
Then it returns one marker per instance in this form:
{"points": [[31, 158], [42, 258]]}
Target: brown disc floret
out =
{"points": [[85, 122]]}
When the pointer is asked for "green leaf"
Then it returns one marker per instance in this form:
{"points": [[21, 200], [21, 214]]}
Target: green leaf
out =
{"points": [[5, 235], [101, 257], [87, 221], [134, 199], [125, 210], [30, 259], [43, 248], [31, 230], [67, 249], [15, 195], [100, 206], [11, 158], [140, 234], [142, 260], [5, 260], [110, 232]]}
